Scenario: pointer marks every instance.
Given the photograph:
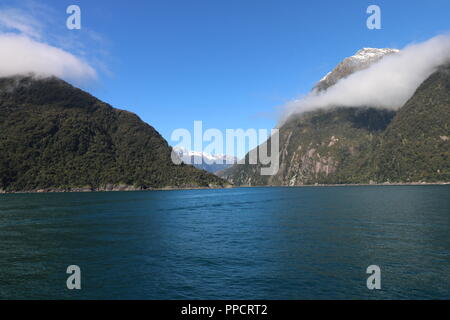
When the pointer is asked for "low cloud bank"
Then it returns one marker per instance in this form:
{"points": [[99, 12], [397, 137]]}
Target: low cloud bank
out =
{"points": [[24, 48], [388, 83], [20, 54]]}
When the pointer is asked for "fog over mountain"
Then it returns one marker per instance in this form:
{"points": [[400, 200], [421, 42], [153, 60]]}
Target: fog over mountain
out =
{"points": [[31, 45], [20, 55], [387, 83]]}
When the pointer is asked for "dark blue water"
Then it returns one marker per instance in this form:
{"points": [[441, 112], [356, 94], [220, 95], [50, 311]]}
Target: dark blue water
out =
{"points": [[248, 243]]}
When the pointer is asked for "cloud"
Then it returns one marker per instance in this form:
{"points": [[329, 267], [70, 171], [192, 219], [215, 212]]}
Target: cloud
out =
{"points": [[26, 47], [17, 20], [20, 54], [388, 83]]}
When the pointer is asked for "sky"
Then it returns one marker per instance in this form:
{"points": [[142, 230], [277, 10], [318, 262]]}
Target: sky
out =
{"points": [[230, 64]]}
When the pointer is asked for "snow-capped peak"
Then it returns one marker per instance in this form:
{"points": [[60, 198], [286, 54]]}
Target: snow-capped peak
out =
{"points": [[373, 53], [359, 61]]}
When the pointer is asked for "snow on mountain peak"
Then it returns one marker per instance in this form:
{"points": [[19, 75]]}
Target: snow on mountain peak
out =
{"points": [[184, 153], [373, 53], [359, 61]]}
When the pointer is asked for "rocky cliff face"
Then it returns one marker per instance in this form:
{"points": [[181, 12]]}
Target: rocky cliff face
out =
{"points": [[323, 146]]}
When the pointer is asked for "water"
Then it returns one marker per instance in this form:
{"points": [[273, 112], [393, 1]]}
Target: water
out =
{"points": [[246, 243]]}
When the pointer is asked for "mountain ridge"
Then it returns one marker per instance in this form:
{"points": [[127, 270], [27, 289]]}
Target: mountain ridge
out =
{"points": [[360, 145], [54, 136]]}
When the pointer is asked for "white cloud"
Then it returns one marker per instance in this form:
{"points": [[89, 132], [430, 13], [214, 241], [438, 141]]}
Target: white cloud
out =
{"points": [[386, 84], [29, 44], [16, 20], [20, 54]]}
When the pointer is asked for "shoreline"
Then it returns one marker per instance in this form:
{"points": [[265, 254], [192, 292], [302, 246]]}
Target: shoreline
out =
{"points": [[134, 189], [354, 185], [83, 190]]}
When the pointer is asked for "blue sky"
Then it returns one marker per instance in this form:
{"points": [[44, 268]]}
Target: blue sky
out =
{"points": [[227, 63]]}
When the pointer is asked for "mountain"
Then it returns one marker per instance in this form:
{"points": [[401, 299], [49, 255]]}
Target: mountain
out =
{"points": [[364, 145], [205, 161], [54, 136], [322, 146]]}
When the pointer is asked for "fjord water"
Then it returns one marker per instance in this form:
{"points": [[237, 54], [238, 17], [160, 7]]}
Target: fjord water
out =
{"points": [[244, 243]]}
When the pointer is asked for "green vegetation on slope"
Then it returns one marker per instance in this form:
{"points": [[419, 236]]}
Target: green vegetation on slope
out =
{"points": [[416, 145], [55, 136]]}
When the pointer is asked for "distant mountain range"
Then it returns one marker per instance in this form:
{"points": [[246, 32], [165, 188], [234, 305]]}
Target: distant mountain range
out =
{"points": [[55, 137], [359, 145], [205, 161]]}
